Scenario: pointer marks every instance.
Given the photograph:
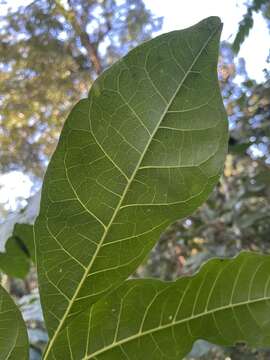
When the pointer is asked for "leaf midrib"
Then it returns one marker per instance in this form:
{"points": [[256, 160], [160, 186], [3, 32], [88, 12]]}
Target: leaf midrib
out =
{"points": [[107, 228], [174, 323]]}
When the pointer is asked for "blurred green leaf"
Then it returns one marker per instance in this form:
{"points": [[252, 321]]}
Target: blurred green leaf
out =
{"points": [[13, 339], [19, 252]]}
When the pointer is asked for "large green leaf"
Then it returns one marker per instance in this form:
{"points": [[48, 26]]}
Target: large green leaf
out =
{"points": [[226, 302], [13, 334], [145, 149]]}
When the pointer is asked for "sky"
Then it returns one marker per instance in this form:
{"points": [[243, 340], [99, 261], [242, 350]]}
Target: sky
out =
{"points": [[180, 14], [177, 14]]}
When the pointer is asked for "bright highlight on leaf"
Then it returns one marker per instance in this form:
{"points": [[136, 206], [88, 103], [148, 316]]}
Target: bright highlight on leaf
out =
{"points": [[13, 335], [226, 302]]}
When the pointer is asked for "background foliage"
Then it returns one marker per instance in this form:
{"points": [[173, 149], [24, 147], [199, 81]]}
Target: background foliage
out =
{"points": [[50, 51]]}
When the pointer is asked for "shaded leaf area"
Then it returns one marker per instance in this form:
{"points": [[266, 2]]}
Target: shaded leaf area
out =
{"points": [[144, 149], [226, 302], [13, 335]]}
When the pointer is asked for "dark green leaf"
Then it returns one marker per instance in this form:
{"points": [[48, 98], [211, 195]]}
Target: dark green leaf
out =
{"points": [[145, 149], [19, 251], [13, 335], [239, 149], [226, 302]]}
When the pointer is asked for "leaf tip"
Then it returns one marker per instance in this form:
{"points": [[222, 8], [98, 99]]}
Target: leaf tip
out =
{"points": [[214, 22]]}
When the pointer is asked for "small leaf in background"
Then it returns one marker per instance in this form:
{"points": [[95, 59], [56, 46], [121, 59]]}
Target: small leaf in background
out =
{"points": [[19, 252], [247, 23], [25, 216]]}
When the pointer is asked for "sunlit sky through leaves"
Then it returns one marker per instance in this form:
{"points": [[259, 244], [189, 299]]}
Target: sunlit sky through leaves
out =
{"points": [[177, 14]]}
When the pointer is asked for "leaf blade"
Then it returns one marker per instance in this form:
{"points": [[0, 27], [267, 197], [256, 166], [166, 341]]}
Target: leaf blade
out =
{"points": [[162, 320], [92, 205]]}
